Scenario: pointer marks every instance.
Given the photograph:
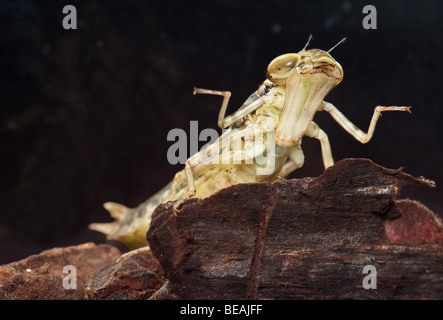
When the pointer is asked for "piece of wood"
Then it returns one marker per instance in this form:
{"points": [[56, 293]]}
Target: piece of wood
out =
{"points": [[41, 276], [135, 277], [303, 239]]}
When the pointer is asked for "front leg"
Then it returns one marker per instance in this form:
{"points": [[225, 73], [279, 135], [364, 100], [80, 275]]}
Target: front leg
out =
{"points": [[351, 128], [295, 161], [314, 131]]}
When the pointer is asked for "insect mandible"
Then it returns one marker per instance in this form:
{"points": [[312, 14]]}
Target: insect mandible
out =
{"points": [[272, 121]]}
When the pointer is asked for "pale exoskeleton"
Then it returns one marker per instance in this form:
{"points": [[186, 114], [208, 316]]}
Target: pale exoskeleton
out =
{"points": [[280, 112]]}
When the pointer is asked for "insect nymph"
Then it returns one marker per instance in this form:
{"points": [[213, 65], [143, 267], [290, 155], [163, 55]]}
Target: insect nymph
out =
{"points": [[283, 108]]}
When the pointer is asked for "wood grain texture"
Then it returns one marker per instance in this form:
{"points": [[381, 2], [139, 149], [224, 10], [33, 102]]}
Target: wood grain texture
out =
{"points": [[303, 239]]}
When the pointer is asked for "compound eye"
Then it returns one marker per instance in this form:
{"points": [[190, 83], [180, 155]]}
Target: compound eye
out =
{"points": [[280, 68]]}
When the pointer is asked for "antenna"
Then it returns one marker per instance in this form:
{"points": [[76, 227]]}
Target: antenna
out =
{"points": [[307, 43], [341, 41]]}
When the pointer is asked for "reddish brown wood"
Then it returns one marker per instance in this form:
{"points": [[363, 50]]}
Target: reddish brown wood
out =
{"points": [[302, 239]]}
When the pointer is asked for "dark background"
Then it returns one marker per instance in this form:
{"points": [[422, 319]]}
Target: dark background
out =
{"points": [[85, 113]]}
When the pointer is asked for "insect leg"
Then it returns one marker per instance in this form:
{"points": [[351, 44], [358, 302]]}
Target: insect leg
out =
{"points": [[226, 122], [191, 187], [229, 154], [226, 96], [351, 128], [262, 96], [296, 160], [314, 131]]}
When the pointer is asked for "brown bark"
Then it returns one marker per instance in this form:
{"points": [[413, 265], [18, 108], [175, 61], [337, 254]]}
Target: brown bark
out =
{"points": [[40, 276], [303, 239], [136, 277]]}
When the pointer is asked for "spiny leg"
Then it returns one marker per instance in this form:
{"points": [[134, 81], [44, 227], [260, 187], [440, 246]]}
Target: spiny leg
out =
{"points": [[314, 131], [351, 128]]}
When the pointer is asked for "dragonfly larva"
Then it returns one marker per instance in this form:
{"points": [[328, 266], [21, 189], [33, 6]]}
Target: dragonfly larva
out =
{"points": [[281, 111]]}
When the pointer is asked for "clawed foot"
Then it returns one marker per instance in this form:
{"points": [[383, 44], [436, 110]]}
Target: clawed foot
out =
{"points": [[179, 203], [176, 207]]}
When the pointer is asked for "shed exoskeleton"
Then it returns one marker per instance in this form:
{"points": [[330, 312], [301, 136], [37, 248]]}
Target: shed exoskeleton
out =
{"points": [[280, 112]]}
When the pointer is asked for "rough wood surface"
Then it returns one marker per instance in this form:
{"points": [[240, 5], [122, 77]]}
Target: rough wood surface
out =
{"points": [[136, 277], [40, 276], [303, 239]]}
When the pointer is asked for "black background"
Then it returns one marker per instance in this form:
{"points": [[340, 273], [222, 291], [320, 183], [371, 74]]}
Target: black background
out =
{"points": [[85, 113]]}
